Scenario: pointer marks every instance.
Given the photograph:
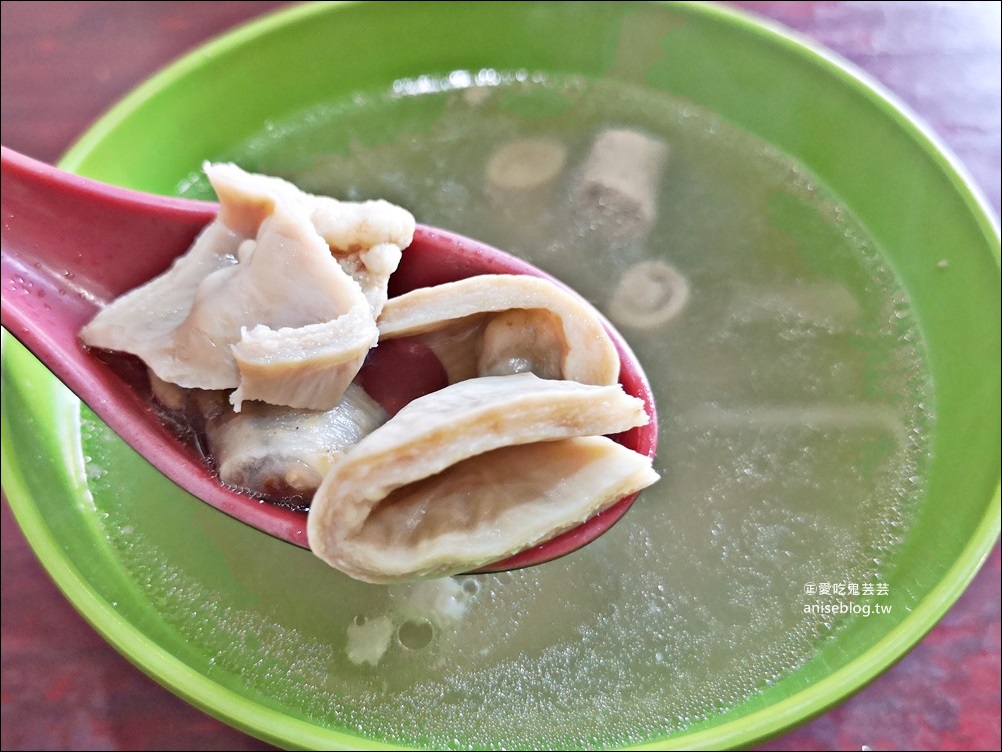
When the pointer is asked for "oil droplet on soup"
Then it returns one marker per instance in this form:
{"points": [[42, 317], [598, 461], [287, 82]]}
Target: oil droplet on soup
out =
{"points": [[790, 383]]}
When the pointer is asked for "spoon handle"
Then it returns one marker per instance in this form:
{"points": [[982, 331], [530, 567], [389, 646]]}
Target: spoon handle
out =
{"points": [[109, 239]]}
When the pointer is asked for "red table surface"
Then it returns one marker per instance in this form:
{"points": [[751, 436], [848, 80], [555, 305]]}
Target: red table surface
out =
{"points": [[63, 63]]}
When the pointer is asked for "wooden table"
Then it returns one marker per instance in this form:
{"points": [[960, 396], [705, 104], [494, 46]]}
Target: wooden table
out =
{"points": [[63, 63]]}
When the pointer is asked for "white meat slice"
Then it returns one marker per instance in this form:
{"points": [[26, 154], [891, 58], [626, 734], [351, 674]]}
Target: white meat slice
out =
{"points": [[143, 321], [372, 270], [251, 304], [366, 238], [488, 507], [287, 278], [351, 526], [355, 227], [557, 317], [348, 227], [307, 366]]}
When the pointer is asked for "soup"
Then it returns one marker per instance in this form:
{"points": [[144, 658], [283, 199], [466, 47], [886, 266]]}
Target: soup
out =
{"points": [[791, 392]]}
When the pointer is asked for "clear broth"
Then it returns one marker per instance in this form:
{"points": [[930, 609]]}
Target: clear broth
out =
{"points": [[791, 396]]}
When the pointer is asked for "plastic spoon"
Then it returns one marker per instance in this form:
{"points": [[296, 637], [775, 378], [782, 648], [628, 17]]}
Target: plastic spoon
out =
{"points": [[70, 245]]}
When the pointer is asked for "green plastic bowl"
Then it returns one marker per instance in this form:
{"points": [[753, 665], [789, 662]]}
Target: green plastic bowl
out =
{"points": [[283, 64]]}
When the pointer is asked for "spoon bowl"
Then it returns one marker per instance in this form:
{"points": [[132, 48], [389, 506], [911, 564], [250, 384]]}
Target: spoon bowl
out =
{"points": [[71, 245]]}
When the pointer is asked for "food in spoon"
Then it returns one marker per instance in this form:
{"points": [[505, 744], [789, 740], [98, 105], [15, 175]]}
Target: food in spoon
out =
{"points": [[474, 472], [277, 299], [500, 323], [281, 452], [258, 334]]}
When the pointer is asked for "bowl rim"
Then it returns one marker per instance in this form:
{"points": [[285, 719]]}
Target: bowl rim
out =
{"points": [[276, 727]]}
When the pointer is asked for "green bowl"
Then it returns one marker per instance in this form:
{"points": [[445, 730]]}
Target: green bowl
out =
{"points": [[235, 623]]}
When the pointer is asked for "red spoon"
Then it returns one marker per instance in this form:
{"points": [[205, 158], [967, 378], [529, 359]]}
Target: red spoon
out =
{"points": [[70, 245]]}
